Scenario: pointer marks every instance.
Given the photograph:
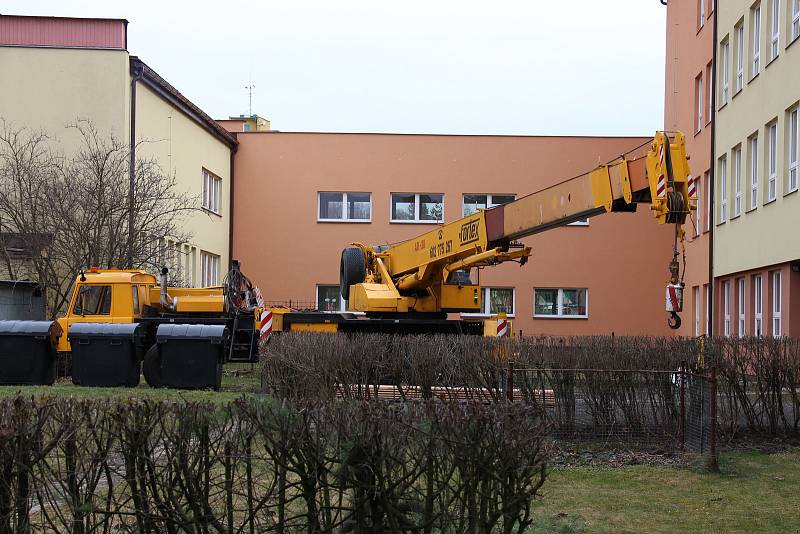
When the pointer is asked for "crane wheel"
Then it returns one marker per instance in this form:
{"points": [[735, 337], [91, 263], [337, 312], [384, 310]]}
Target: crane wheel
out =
{"points": [[352, 270], [151, 367]]}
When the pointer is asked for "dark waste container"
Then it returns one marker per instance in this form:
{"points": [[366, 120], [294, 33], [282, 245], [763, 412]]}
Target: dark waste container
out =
{"points": [[27, 352], [191, 355], [105, 354]]}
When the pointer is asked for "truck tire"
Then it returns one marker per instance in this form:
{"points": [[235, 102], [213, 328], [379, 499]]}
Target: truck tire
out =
{"points": [[352, 270], [151, 367]]}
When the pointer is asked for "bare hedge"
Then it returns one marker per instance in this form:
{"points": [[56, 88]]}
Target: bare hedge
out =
{"points": [[265, 465], [758, 378]]}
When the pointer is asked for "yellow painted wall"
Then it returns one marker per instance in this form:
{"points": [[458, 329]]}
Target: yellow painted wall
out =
{"points": [[46, 88], [769, 234], [184, 148]]}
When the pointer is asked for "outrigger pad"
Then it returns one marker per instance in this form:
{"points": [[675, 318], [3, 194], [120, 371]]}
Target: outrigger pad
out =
{"points": [[191, 355], [27, 352]]}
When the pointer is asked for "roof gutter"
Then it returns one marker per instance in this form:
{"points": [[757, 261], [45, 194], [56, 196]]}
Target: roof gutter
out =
{"points": [[712, 173]]}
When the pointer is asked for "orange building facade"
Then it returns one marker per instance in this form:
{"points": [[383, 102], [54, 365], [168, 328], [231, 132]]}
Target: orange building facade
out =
{"points": [[300, 198], [688, 107]]}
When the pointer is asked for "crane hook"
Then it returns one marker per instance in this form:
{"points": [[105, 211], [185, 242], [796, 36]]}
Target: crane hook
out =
{"points": [[674, 321]]}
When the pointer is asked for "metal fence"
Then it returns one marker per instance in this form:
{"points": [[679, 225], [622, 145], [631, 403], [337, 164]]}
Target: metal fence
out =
{"points": [[664, 410]]}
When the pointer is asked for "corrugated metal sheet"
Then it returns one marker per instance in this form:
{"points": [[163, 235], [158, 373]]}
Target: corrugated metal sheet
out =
{"points": [[63, 32]]}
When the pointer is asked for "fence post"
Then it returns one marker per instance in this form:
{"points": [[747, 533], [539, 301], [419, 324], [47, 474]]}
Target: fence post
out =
{"points": [[682, 416], [713, 465], [510, 382]]}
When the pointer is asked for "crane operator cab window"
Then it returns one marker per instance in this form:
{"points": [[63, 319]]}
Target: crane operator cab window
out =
{"points": [[461, 277], [93, 300]]}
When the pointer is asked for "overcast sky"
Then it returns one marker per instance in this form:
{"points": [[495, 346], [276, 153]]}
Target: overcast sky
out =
{"points": [[565, 67]]}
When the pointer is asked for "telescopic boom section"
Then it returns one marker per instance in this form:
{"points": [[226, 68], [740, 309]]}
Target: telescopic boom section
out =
{"points": [[429, 273]]}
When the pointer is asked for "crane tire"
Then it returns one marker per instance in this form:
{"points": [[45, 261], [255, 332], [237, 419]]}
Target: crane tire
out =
{"points": [[151, 367], [352, 270]]}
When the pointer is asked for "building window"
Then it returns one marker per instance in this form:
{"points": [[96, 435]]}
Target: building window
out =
{"points": [[723, 189], [709, 111], [757, 330], [329, 299], [473, 203], [212, 186], [795, 19], [740, 56], [724, 73], [561, 303], [708, 307], [775, 20], [497, 300], [697, 308], [701, 13], [737, 181], [699, 97], [755, 34], [726, 308], [794, 149], [417, 208], [772, 161], [740, 306], [707, 192], [344, 207], [776, 303], [699, 214], [209, 269], [754, 172]]}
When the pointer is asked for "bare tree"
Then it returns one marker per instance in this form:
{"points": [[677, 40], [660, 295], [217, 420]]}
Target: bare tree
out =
{"points": [[73, 211]]}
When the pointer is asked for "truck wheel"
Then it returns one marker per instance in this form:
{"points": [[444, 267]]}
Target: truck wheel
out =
{"points": [[352, 270], [151, 367]]}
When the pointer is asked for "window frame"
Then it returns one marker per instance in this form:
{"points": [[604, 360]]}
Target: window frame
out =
{"points": [[725, 72], [775, 27], [758, 323], [209, 268], [772, 162], [793, 167], [753, 142], [737, 181], [486, 302], [723, 189], [417, 206], [699, 212], [560, 303], [345, 209], [739, 31], [699, 102], [755, 18], [701, 15], [697, 307], [489, 203], [741, 308], [776, 303], [726, 308], [211, 184], [107, 295], [794, 31]]}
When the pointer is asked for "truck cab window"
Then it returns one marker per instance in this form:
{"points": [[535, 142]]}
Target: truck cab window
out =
{"points": [[135, 295], [93, 300]]}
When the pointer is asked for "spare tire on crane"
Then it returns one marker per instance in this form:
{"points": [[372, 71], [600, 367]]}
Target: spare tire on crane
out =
{"points": [[352, 270]]}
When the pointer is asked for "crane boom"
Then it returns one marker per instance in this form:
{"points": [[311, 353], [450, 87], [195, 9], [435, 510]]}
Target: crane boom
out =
{"points": [[421, 274]]}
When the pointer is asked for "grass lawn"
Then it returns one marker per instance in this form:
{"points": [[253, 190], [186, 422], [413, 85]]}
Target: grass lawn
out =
{"points": [[753, 492], [237, 379]]}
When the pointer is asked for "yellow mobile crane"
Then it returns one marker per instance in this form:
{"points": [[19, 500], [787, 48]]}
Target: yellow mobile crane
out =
{"points": [[121, 322], [412, 285]]}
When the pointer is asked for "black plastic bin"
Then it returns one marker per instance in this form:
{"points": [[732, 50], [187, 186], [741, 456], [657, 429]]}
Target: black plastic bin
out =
{"points": [[27, 352], [191, 355], [105, 354]]}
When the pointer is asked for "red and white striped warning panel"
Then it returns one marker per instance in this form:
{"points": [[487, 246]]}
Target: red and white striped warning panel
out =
{"points": [[661, 189], [265, 325], [502, 327], [692, 187]]}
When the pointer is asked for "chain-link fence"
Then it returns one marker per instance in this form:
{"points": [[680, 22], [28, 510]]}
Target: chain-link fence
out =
{"points": [[664, 410]]}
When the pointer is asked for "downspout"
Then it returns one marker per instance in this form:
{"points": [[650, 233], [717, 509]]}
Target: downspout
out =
{"points": [[231, 203], [137, 72], [712, 174]]}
